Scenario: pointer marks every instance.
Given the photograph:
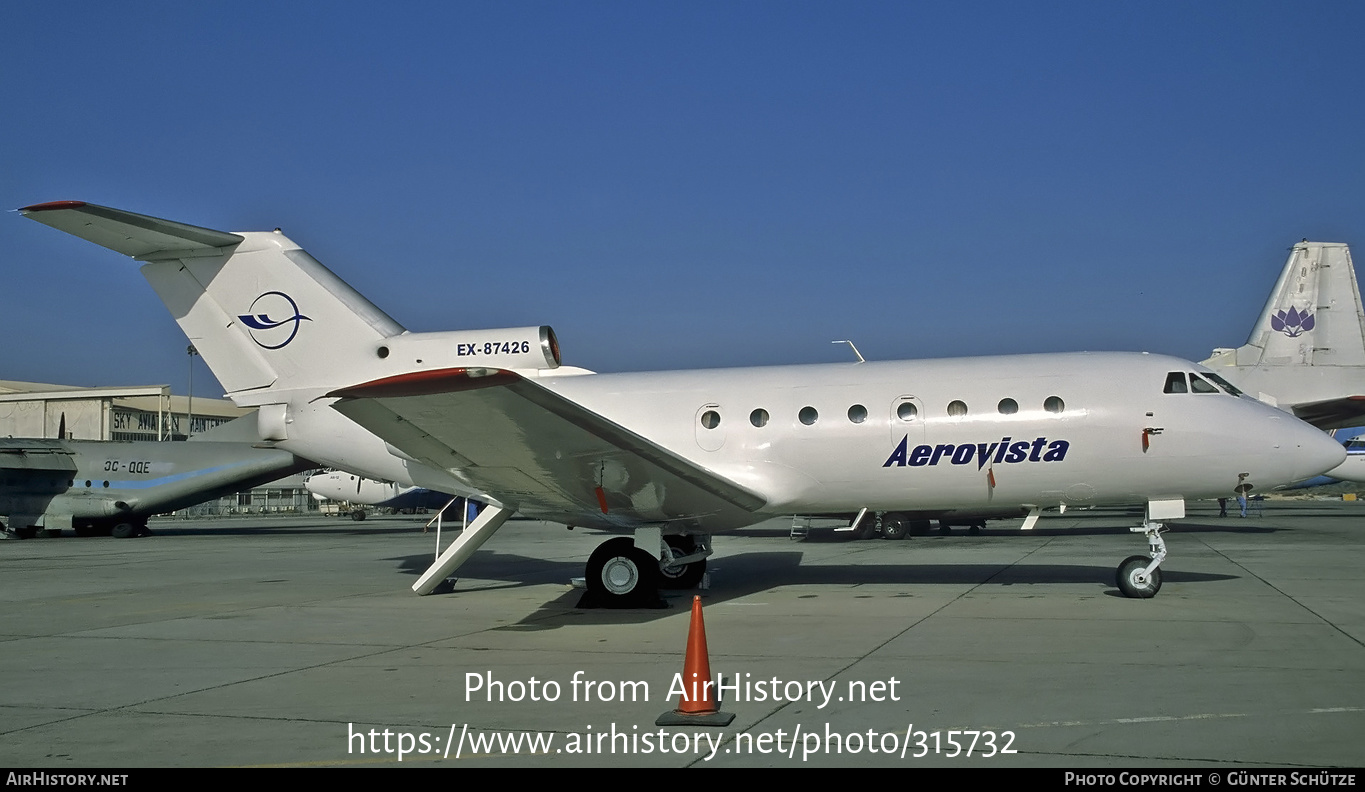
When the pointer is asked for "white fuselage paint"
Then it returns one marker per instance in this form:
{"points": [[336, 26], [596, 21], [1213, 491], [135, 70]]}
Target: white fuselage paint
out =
{"points": [[1353, 469], [1204, 443], [339, 486]]}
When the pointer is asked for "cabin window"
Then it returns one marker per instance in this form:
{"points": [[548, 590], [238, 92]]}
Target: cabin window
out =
{"points": [[907, 411], [857, 413], [1054, 404], [1198, 385], [957, 408], [710, 419], [106, 485], [1175, 382], [1008, 407], [759, 417], [809, 415], [87, 482]]}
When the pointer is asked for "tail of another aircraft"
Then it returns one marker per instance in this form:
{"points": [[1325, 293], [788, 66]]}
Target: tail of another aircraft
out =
{"points": [[1313, 317], [1307, 349]]}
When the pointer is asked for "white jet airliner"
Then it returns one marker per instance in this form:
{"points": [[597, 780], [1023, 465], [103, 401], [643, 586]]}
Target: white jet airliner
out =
{"points": [[673, 457], [359, 492]]}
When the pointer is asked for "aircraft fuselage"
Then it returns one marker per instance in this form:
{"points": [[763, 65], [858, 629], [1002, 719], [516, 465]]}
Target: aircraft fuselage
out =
{"points": [[988, 435]]}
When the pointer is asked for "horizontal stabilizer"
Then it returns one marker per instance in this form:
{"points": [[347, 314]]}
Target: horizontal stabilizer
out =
{"points": [[142, 237]]}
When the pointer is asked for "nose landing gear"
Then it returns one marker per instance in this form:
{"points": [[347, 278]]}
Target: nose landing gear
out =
{"points": [[1138, 576]]}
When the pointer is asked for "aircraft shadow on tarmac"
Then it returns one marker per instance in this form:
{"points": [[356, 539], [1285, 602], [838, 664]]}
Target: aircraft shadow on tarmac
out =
{"points": [[283, 529], [747, 574], [1230, 525]]}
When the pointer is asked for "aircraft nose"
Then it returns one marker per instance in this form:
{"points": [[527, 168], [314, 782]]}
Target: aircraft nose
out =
{"points": [[1315, 451]]}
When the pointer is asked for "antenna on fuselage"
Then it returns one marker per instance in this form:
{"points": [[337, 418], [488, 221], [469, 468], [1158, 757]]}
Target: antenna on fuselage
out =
{"points": [[861, 359]]}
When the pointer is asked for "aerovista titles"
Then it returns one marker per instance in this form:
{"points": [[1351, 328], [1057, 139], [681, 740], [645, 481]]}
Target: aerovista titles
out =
{"points": [[1039, 449]]}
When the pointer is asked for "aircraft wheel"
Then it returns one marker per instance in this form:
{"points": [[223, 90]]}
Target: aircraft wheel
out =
{"points": [[682, 576], [894, 526], [865, 528], [976, 529], [123, 531], [1133, 583], [919, 527], [358, 515], [622, 575]]}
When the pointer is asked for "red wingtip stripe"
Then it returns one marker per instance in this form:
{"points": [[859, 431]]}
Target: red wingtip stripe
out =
{"points": [[43, 207]]}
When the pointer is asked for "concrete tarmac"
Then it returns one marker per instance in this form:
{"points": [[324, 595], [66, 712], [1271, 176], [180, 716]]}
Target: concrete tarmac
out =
{"points": [[297, 642]]}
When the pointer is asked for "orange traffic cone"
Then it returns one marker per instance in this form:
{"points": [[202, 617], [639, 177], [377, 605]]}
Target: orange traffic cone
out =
{"points": [[697, 703]]}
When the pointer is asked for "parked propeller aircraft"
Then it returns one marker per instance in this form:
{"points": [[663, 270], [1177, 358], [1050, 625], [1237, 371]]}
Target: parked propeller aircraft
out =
{"points": [[104, 486], [674, 457]]}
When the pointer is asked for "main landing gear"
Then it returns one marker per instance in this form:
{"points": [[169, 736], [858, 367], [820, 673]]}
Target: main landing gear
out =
{"points": [[621, 574], [126, 530], [1140, 576], [899, 526]]}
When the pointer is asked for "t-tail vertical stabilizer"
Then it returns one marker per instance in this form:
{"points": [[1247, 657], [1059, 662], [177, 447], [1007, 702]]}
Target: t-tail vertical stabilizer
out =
{"points": [[1306, 352], [280, 331], [261, 312]]}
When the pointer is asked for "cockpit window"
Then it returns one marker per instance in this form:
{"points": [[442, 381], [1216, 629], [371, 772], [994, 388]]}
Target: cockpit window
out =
{"points": [[1356, 444], [1175, 382], [1222, 383], [1198, 385]]}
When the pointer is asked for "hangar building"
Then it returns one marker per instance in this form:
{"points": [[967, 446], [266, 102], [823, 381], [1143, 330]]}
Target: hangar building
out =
{"points": [[149, 412]]}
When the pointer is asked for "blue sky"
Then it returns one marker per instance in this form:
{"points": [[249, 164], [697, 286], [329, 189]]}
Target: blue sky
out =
{"points": [[680, 185]]}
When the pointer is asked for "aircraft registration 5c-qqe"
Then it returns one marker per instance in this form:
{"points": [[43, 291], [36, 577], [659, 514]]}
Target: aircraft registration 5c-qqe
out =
{"points": [[674, 457]]}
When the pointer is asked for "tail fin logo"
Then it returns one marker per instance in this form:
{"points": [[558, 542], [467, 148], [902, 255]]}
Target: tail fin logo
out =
{"points": [[273, 333], [1292, 323]]}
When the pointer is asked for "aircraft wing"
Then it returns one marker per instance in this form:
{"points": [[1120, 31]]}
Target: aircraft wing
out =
{"points": [[1332, 413], [541, 453]]}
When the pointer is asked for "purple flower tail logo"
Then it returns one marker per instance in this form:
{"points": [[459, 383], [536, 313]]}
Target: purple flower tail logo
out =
{"points": [[1292, 323]]}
